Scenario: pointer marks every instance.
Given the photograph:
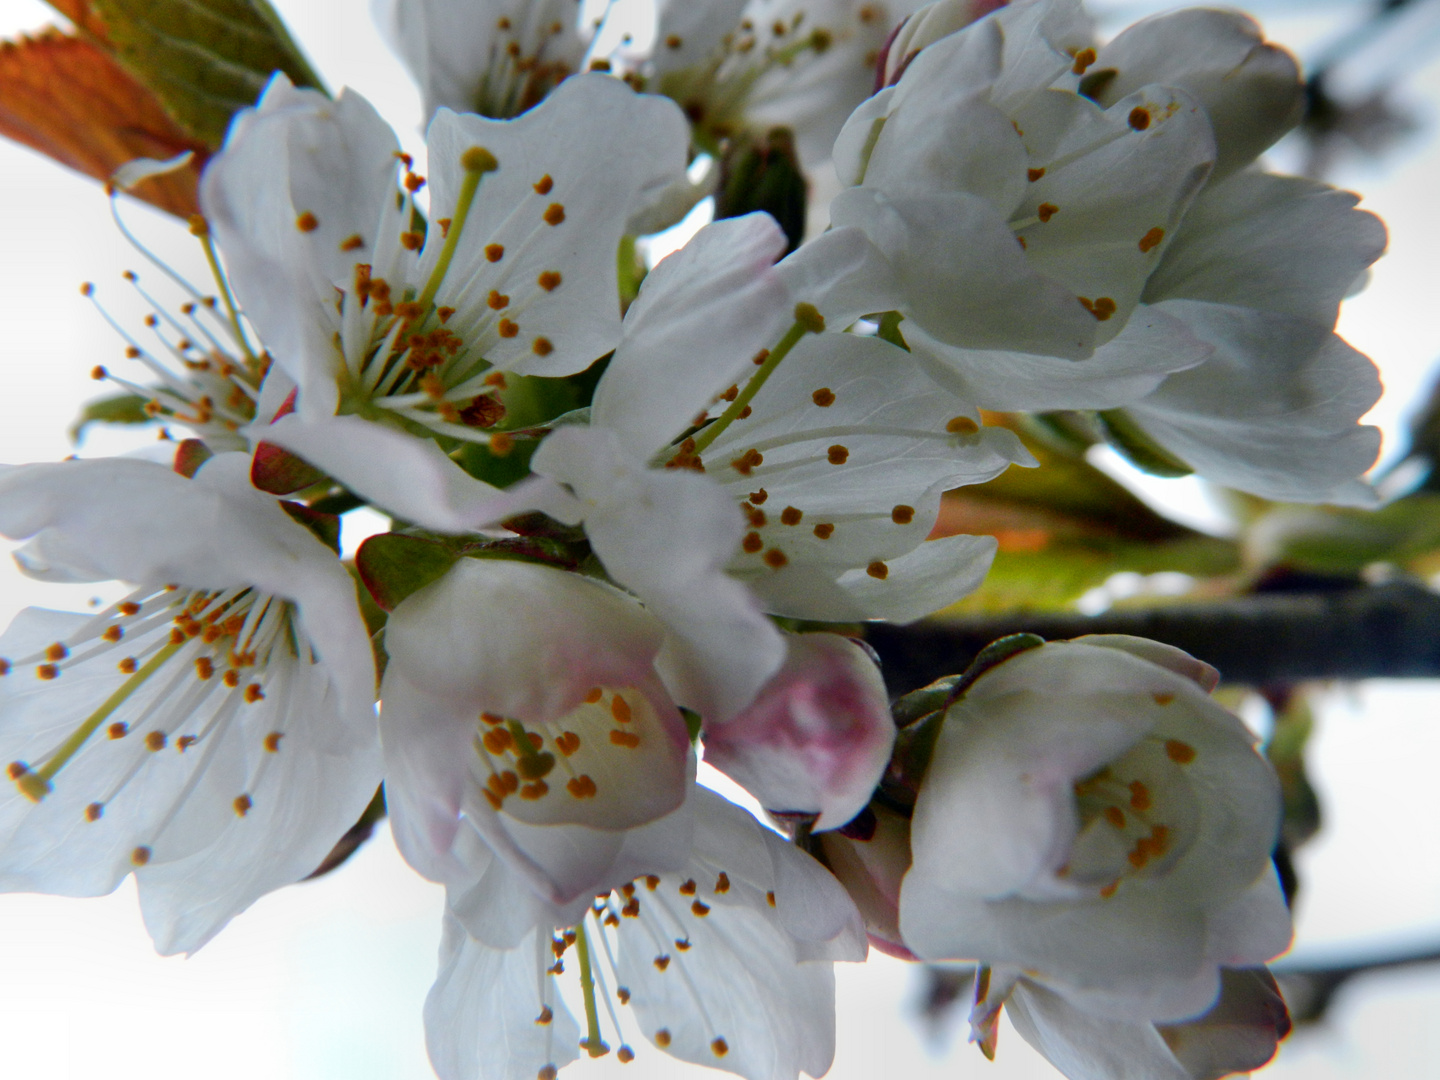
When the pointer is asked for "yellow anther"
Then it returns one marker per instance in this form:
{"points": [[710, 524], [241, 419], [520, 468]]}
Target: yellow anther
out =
{"points": [[242, 805], [902, 514], [307, 222], [140, 856], [478, 160], [1179, 752], [824, 530], [824, 397], [1139, 118], [544, 185], [878, 569], [1045, 211], [837, 454], [554, 214], [1151, 239], [961, 425]]}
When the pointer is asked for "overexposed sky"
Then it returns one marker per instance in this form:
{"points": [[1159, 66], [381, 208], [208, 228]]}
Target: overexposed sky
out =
{"points": [[325, 981]]}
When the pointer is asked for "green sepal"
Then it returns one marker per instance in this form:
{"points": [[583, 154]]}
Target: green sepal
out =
{"points": [[915, 706], [355, 837], [275, 470], [190, 454], [889, 330], [992, 656], [326, 527], [393, 565], [1138, 448], [762, 172], [204, 59], [920, 714], [693, 722], [118, 409]]}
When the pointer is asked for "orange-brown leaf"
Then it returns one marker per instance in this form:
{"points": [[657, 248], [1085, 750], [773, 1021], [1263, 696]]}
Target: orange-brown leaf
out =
{"points": [[67, 98], [83, 17]]}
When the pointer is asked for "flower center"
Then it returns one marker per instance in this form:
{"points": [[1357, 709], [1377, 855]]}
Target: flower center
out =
{"points": [[1138, 816]]}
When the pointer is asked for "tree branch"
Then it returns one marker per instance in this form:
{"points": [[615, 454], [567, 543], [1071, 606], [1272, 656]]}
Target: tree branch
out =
{"points": [[1380, 631]]}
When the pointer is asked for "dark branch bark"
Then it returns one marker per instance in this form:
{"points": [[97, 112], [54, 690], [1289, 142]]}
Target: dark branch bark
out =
{"points": [[1382, 631]]}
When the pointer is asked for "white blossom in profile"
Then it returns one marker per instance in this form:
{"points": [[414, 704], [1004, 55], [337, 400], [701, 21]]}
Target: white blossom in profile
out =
{"points": [[1092, 822]]}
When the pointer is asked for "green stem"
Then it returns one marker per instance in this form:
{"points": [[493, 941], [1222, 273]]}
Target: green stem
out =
{"points": [[36, 785], [593, 1046], [805, 323]]}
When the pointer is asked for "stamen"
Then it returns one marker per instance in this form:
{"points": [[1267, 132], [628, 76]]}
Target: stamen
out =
{"points": [[592, 1042], [35, 785], [476, 161], [808, 320]]}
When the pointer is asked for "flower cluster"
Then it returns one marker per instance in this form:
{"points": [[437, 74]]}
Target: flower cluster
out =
{"points": [[637, 525]]}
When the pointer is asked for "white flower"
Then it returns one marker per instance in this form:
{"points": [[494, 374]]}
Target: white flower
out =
{"points": [[816, 738], [1016, 140], [1092, 818], [737, 66], [516, 273], [725, 961], [214, 733], [835, 448], [530, 746], [496, 57]]}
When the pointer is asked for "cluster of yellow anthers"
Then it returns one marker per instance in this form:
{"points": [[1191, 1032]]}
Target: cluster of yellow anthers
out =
{"points": [[518, 763], [1127, 805], [226, 633]]}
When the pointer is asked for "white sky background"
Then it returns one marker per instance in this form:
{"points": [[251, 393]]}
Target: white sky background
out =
{"points": [[325, 981]]}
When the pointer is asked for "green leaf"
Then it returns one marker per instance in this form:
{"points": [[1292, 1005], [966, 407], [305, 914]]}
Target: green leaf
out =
{"points": [[1065, 528], [204, 59], [119, 409], [1334, 540], [392, 566]]}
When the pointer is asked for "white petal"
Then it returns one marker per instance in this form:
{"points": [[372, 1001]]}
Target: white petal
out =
{"points": [[411, 477], [993, 299], [571, 172], [843, 274], [1251, 91], [742, 977], [667, 536], [458, 54], [1086, 1047], [1279, 244], [1123, 370], [687, 32], [299, 153], [701, 315], [1275, 409], [480, 1016]]}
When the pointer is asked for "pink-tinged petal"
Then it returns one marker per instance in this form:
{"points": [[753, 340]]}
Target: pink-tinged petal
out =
{"points": [[667, 536], [497, 643], [1241, 1032], [817, 736], [869, 856], [412, 478], [701, 316], [545, 225]]}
